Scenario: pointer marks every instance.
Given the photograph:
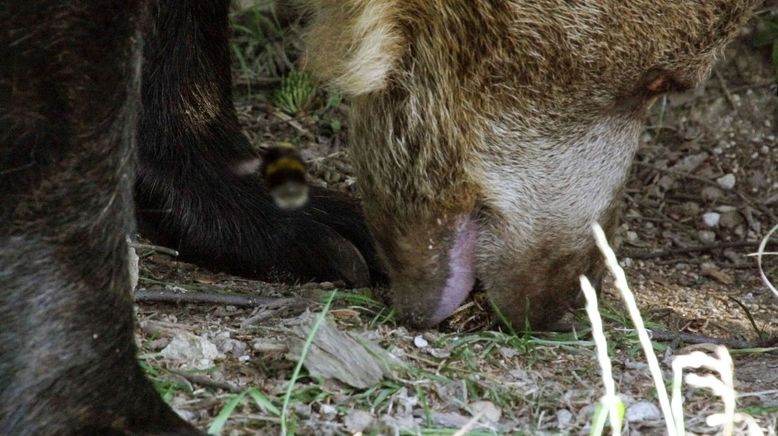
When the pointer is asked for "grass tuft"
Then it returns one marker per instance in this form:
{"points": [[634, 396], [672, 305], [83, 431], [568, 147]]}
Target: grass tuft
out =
{"points": [[297, 93]]}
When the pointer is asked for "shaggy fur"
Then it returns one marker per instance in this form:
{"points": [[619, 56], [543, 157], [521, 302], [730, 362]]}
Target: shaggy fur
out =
{"points": [[519, 117], [105, 106], [487, 135]]}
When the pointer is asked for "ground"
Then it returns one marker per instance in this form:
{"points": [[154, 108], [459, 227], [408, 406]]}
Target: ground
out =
{"points": [[703, 192]]}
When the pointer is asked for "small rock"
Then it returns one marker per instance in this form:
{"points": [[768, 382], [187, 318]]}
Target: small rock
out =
{"points": [[487, 409], [397, 352], [328, 410], [691, 208], [225, 344], [731, 219], [711, 219], [758, 180], [508, 352], [357, 421], [632, 236], [564, 418], [643, 411], [303, 410], [666, 182], [726, 181], [706, 236], [711, 193], [420, 342], [633, 213], [191, 351], [732, 255]]}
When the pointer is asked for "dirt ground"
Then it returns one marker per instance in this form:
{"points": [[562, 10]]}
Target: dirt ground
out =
{"points": [[703, 192]]}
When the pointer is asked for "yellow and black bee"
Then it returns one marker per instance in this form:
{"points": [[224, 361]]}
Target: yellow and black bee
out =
{"points": [[284, 172]]}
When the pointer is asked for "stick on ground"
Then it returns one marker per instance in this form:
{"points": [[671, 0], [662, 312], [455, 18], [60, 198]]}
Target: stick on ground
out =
{"points": [[162, 296]]}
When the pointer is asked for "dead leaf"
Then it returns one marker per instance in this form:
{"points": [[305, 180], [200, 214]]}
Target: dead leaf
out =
{"points": [[338, 355]]}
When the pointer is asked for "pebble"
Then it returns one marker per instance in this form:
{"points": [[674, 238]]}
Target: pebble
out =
{"points": [[357, 421], [632, 236], [711, 193], [731, 219], [564, 418], [487, 408], [706, 236], [420, 342], [643, 411], [191, 351], [666, 182], [711, 219], [691, 208], [758, 180], [328, 410], [726, 181]]}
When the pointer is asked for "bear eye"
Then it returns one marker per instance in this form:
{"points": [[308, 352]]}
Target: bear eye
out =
{"points": [[658, 82]]}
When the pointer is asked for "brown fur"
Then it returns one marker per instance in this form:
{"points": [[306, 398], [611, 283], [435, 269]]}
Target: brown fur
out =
{"points": [[521, 116]]}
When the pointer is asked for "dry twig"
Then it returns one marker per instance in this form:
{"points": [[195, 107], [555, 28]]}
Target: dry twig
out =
{"points": [[161, 296]]}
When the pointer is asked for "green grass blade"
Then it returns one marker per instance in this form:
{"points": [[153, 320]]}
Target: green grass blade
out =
{"points": [[299, 367], [263, 402], [221, 419]]}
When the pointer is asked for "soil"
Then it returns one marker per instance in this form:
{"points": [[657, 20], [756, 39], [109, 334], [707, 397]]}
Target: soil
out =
{"points": [[685, 243]]}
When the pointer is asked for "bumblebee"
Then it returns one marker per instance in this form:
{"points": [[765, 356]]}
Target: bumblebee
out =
{"points": [[284, 172]]}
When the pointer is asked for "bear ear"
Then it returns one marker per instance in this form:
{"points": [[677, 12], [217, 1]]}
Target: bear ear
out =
{"points": [[352, 44], [711, 24]]}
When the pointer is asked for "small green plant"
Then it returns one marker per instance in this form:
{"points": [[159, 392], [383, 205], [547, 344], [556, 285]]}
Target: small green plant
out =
{"points": [[296, 94], [258, 44], [228, 409], [166, 387]]}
